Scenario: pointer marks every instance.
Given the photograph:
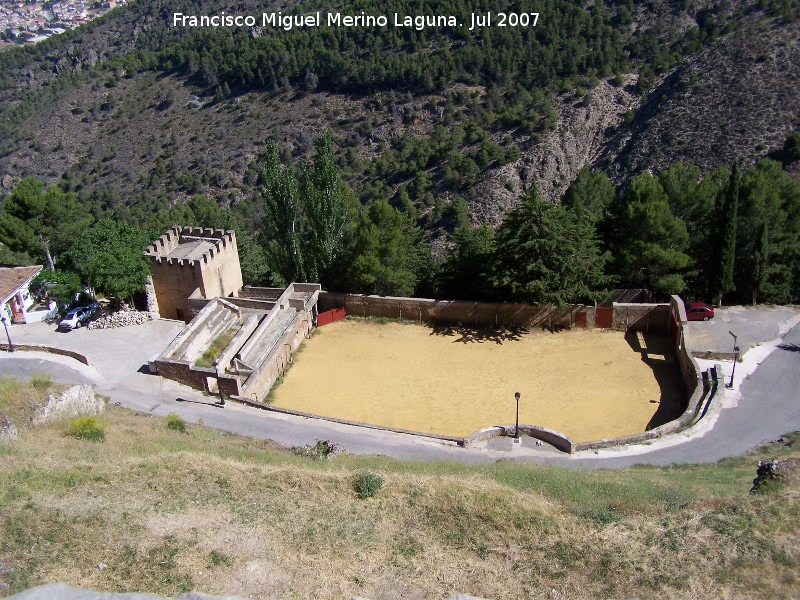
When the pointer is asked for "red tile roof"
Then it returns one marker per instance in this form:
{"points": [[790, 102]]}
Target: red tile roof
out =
{"points": [[13, 278]]}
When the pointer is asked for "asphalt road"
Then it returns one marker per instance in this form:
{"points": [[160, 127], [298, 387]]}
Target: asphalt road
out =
{"points": [[751, 324], [768, 406]]}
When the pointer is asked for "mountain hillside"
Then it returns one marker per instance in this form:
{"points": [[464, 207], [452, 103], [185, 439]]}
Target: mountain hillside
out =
{"points": [[734, 100], [134, 114]]}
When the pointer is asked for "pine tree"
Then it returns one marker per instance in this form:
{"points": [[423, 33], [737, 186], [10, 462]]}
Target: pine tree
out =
{"points": [[726, 235], [760, 262], [546, 255]]}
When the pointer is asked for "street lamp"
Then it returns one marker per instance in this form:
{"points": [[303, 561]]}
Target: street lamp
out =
{"points": [[219, 385], [516, 427], [735, 358], [10, 345]]}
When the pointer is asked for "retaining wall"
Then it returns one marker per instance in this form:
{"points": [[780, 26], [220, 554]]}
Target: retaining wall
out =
{"points": [[51, 349], [639, 317], [462, 312]]}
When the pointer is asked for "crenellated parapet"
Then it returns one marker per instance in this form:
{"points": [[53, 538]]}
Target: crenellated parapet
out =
{"points": [[189, 260], [209, 243]]}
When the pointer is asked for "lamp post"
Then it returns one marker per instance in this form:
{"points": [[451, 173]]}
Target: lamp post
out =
{"points": [[10, 345], [219, 385], [516, 427], [735, 358]]}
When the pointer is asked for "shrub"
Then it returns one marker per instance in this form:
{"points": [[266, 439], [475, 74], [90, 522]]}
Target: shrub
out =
{"points": [[367, 484], [42, 381], [322, 449], [792, 145], [218, 558], [86, 428], [176, 423]]}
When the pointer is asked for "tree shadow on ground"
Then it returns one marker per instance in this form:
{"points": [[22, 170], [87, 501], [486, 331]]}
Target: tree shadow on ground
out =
{"points": [[470, 335], [657, 353], [790, 347]]}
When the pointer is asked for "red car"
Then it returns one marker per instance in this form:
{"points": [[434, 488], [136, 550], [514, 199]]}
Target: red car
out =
{"points": [[699, 311]]}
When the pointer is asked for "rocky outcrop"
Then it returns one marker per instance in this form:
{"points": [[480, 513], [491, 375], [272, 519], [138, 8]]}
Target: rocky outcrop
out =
{"points": [[73, 402], [577, 141], [775, 472], [734, 100], [7, 429]]}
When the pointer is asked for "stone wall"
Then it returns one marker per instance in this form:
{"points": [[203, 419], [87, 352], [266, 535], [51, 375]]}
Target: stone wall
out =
{"points": [[257, 386], [51, 349], [261, 293], [479, 314], [638, 317], [173, 284]]}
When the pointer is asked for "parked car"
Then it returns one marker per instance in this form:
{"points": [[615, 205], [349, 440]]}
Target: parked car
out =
{"points": [[78, 316], [699, 311]]}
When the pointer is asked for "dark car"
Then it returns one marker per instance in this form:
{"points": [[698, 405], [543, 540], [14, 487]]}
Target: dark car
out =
{"points": [[78, 316], [699, 311]]}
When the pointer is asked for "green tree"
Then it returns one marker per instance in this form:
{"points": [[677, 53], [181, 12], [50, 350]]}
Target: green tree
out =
{"points": [[726, 213], [590, 194], [467, 269], [760, 262], [324, 198], [109, 256], [387, 250], [768, 195], [649, 243], [545, 254], [42, 223], [283, 226], [792, 146]]}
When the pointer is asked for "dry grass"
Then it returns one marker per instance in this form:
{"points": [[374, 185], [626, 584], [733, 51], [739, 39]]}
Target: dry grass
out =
{"points": [[217, 346], [224, 514], [20, 400]]}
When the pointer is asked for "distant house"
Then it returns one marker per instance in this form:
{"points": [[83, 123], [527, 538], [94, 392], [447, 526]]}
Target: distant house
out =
{"points": [[16, 299]]}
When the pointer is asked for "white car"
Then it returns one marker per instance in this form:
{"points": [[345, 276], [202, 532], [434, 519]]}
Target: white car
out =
{"points": [[78, 316]]}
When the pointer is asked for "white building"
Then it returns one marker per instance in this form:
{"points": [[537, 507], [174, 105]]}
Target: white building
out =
{"points": [[16, 299]]}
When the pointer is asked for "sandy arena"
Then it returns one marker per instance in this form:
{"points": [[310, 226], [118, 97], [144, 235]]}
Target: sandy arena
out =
{"points": [[587, 384]]}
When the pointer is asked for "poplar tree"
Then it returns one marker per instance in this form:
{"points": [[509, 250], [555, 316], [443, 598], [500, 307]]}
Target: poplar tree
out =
{"points": [[326, 212], [283, 239]]}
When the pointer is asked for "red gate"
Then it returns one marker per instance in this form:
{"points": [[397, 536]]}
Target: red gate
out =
{"points": [[330, 316], [603, 317]]}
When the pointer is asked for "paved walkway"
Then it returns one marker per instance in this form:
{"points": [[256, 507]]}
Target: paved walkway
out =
{"points": [[753, 325], [762, 405]]}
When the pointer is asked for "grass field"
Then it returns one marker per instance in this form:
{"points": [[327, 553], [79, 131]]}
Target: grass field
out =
{"points": [[168, 511], [588, 384]]}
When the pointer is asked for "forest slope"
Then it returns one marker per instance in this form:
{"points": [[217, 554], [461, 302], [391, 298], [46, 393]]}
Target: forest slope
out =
{"points": [[131, 112]]}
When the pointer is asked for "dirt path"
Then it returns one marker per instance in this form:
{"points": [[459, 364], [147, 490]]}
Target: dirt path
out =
{"points": [[588, 384]]}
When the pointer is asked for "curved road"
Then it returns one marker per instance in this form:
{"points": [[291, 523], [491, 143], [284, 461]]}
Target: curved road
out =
{"points": [[768, 406]]}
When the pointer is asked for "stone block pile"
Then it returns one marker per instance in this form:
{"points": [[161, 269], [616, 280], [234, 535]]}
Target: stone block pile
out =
{"points": [[122, 318]]}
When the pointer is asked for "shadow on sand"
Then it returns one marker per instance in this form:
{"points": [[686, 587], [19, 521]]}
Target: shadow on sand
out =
{"points": [[470, 335], [657, 353]]}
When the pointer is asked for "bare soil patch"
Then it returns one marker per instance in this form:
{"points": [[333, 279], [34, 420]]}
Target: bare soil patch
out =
{"points": [[587, 384]]}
